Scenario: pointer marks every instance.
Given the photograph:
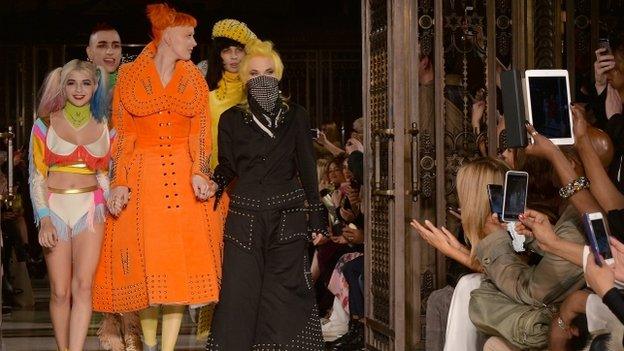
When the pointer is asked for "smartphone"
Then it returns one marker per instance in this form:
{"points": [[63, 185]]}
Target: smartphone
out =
{"points": [[603, 43], [495, 195], [355, 185], [314, 133], [514, 195], [598, 237]]}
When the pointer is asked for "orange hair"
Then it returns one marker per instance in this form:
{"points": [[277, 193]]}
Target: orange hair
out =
{"points": [[161, 16]]}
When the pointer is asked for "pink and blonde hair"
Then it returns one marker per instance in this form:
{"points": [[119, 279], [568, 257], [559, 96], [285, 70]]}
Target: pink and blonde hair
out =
{"points": [[52, 94], [161, 16]]}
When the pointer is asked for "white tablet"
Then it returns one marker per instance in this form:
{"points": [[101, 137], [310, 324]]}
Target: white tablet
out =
{"points": [[548, 104]]}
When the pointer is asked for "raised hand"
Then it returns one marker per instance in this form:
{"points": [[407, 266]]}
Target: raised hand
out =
{"points": [[536, 224], [603, 64], [541, 147]]}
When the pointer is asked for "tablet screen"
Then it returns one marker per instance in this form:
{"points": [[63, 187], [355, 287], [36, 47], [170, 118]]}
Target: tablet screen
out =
{"points": [[549, 106]]}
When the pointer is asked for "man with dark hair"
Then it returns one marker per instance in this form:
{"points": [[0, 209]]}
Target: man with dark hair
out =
{"points": [[104, 49], [117, 332]]}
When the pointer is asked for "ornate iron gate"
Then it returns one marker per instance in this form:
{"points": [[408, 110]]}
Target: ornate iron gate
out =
{"points": [[388, 69]]}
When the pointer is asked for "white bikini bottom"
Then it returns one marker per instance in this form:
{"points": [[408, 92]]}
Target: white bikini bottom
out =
{"points": [[72, 214]]}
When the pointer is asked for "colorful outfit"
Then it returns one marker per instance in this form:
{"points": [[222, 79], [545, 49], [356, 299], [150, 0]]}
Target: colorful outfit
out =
{"points": [[165, 246], [69, 209]]}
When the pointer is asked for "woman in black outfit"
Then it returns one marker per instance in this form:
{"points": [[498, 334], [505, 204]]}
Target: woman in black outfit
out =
{"points": [[267, 301]]}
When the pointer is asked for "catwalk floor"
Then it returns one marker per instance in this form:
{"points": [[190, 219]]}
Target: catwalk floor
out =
{"points": [[31, 330]]}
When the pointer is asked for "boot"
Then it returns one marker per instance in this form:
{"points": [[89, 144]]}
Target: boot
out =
{"points": [[110, 333], [131, 327], [133, 342], [150, 348], [352, 340]]}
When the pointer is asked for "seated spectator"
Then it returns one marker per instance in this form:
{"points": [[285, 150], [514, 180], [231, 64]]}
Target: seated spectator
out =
{"points": [[514, 293], [601, 196], [346, 282]]}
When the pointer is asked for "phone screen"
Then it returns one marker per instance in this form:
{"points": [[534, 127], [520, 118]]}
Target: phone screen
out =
{"points": [[314, 133], [549, 106], [603, 43], [515, 195], [602, 240], [495, 194]]}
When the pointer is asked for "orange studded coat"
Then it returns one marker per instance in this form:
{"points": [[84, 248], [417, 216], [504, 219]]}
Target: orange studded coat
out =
{"points": [[165, 246]]}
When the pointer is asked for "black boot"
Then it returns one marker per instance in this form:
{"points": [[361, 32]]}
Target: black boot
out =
{"points": [[352, 340]]}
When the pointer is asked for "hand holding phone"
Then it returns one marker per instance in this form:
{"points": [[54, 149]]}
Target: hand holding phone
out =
{"points": [[514, 195], [603, 43], [598, 237], [314, 133], [514, 204]]}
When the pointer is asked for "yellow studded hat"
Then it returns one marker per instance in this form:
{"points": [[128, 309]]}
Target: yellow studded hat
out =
{"points": [[233, 29]]}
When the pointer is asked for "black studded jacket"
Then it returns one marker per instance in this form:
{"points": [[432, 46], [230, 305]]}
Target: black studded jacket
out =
{"points": [[272, 168]]}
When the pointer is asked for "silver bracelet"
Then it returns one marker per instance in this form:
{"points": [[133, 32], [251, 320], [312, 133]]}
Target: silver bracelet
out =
{"points": [[574, 187]]}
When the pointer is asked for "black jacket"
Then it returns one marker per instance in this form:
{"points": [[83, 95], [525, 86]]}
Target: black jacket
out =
{"points": [[614, 127], [271, 172]]}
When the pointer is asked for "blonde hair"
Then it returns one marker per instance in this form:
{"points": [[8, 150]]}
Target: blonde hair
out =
{"points": [[472, 181], [259, 48], [321, 171], [52, 94]]}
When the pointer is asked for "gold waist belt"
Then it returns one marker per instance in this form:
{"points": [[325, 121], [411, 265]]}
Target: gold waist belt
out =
{"points": [[74, 191]]}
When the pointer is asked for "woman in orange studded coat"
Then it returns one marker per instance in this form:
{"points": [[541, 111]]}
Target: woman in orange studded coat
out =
{"points": [[164, 245]]}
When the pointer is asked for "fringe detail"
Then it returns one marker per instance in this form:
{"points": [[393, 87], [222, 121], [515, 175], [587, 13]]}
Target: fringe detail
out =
{"points": [[204, 321], [62, 229], [131, 323], [132, 331], [110, 333], [95, 214], [120, 332], [81, 153]]}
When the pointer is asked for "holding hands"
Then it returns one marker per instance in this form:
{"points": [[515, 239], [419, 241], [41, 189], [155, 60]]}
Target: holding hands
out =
{"points": [[118, 199], [203, 188]]}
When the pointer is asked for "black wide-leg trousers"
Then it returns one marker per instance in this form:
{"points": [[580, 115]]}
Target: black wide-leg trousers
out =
{"points": [[267, 299]]}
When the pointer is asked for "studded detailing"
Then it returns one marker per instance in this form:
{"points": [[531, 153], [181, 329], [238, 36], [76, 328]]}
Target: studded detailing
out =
{"points": [[233, 29], [163, 140], [284, 200]]}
